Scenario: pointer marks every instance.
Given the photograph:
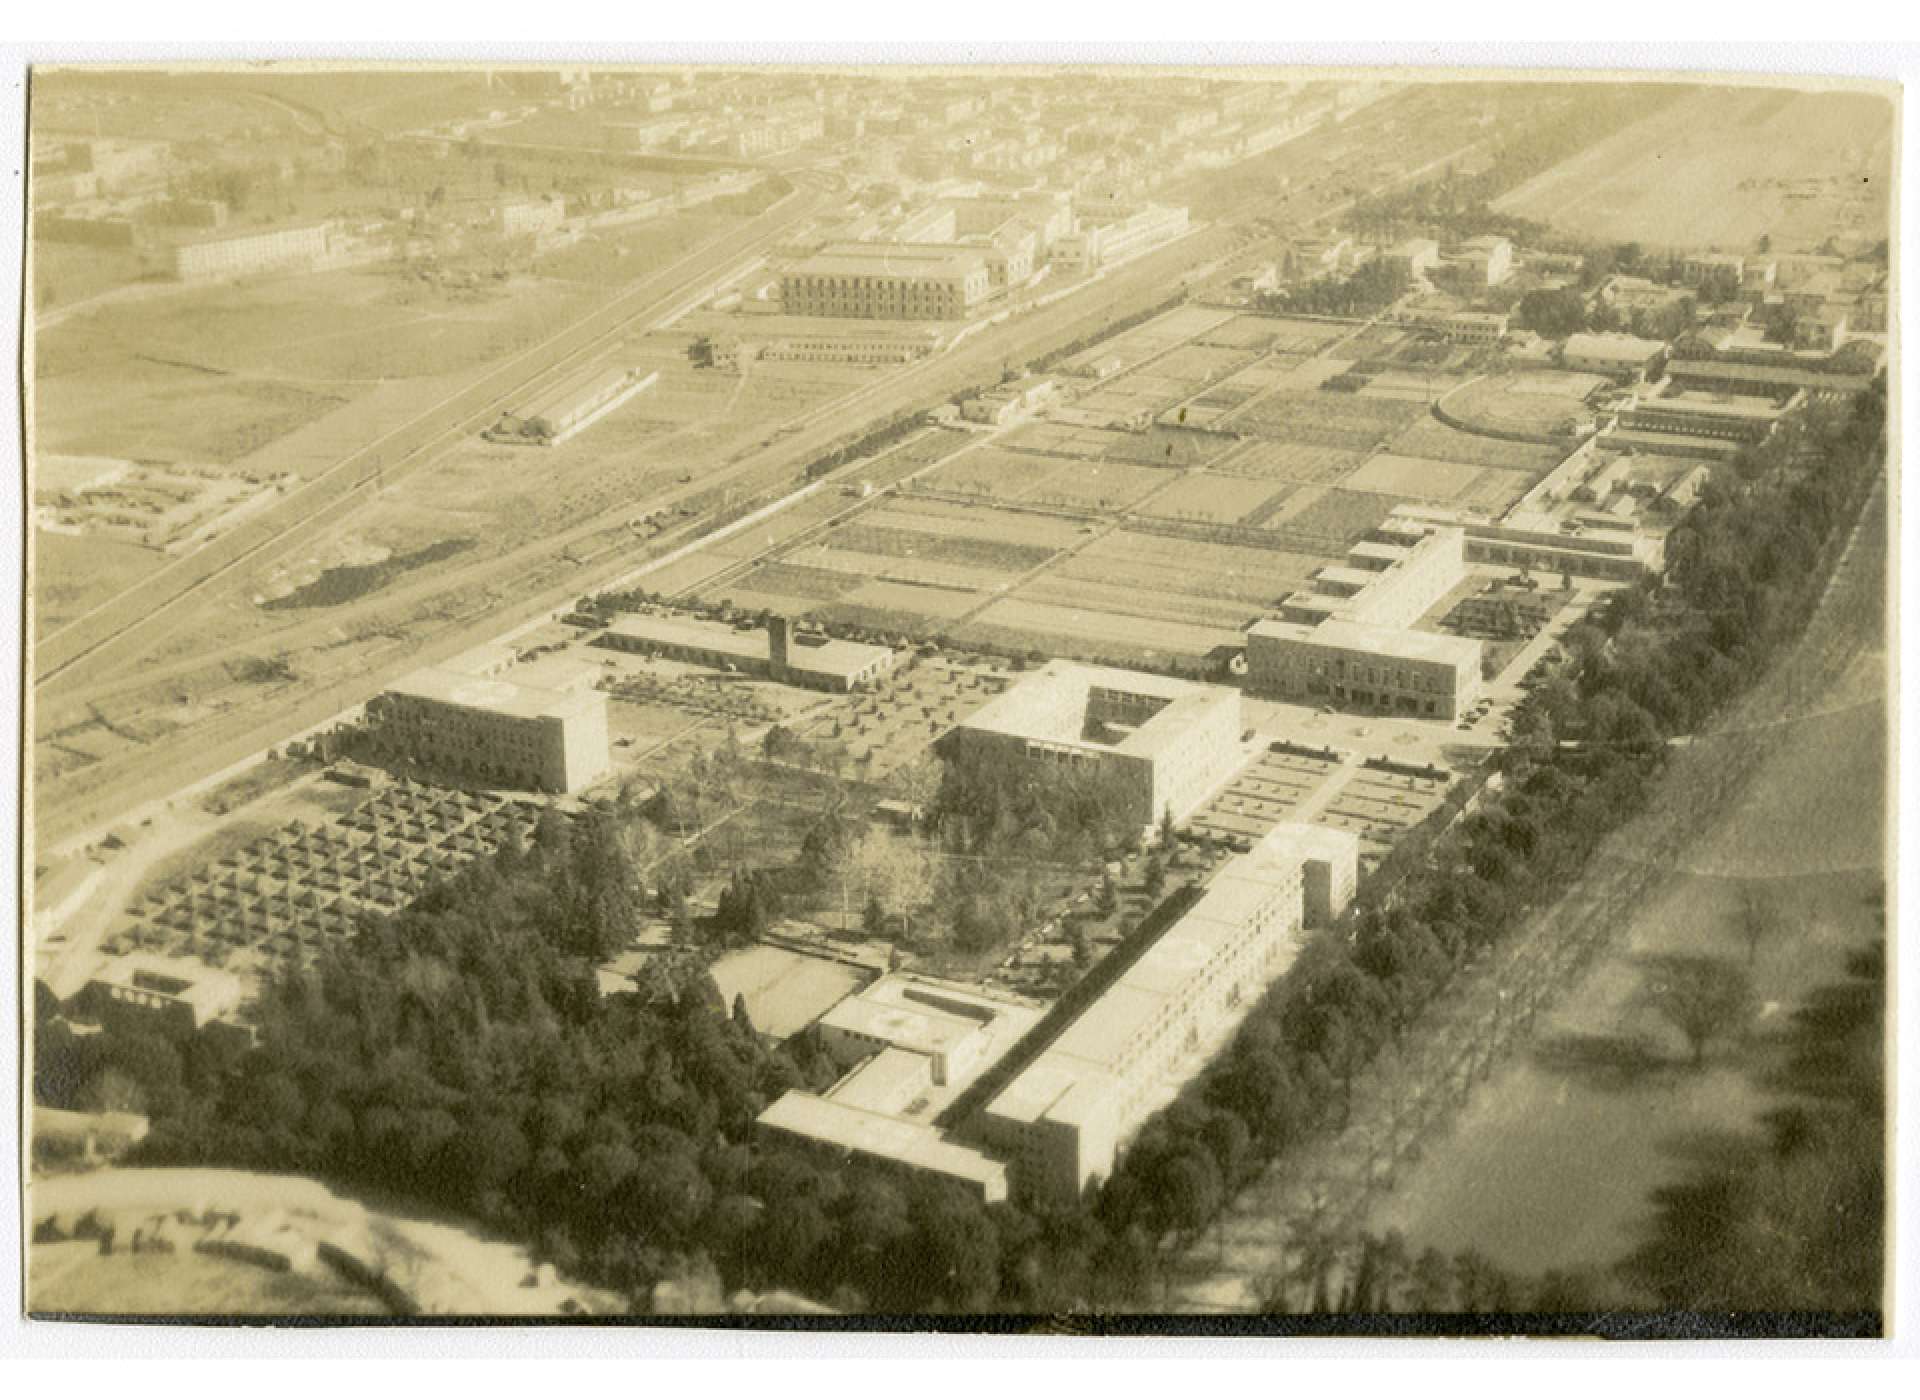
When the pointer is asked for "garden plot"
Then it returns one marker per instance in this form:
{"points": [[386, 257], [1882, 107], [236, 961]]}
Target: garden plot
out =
{"points": [[930, 560], [1267, 792], [1066, 631], [1378, 805], [1300, 462], [1414, 478], [1220, 500], [991, 472], [1274, 333], [790, 579], [1495, 491], [1150, 563], [947, 518], [1411, 384], [1327, 420], [1142, 343], [1104, 486], [1103, 597], [1199, 364], [1431, 438], [1339, 518]]}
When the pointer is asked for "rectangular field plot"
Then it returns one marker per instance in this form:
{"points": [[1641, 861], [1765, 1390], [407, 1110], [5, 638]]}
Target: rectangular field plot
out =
{"points": [[1300, 462], [1067, 631], [1143, 342], [1168, 564], [1429, 437], [1274, 333], [1221, 500], [1015, 527], [791, 580], [1414, 478], [1493, 491], [921, 559], [992, 472], [1341, 517], [1327, 420], [1200, 364], [1105, 486], [1100, 596]]}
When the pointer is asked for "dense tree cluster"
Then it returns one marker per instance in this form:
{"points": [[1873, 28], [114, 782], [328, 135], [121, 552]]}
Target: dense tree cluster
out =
{"points": [[1374, 287]]}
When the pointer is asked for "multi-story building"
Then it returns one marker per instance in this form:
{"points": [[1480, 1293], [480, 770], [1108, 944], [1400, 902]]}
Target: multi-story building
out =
{"points": [[1461, 327], [1103, 238], [1350, 640], [888, 281], [494, 731], [1476, 264], [1626, 358], [523, 218], [1172, 743], [1695, 413], [1356, 665], [1413, 256], [1064, 1120], [226, 255], [173, 996]]}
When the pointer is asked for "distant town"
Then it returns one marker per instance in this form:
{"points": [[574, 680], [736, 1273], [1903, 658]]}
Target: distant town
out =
{"points": [[930, 693]]}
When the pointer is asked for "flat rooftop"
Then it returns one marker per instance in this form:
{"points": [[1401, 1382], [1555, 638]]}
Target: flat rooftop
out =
{"points": [[1750, 406], [879, 1135], [1051, 705], [1395, 642], [492, 695], [1072, 1077], [891, 260]]}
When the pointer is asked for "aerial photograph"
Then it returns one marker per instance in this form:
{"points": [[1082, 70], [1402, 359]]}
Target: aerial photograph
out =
{"points": [[1073, 700]]}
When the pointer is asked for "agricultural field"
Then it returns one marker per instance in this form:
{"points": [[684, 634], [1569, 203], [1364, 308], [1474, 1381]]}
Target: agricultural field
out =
{"points": [[1303, 463], [1143, 342], [1433, 439], [1142, 563], [1723, 167], [1326, 420], [1339, 518], [1272, 334], [1415, 478], [1023, 621], [1220, 500]]}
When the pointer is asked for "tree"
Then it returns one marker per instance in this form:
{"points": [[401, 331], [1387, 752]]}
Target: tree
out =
{"points": [[1703, 998], [895, 873], [1757, 921], [1155, 877]]}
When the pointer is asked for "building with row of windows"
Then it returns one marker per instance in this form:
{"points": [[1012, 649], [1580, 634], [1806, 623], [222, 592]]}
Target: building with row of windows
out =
{"points": [[1109, 238], [1065, 1119], [775, 651], [1169, 744], [1350, 641], [909, 1046], [221, 256], [572, 405], [492, 731], [888, 282]]}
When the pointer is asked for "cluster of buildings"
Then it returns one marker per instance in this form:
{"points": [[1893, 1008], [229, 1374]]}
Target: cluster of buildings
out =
{"points": [[938, 1086], [1351, 640], [945, 259]]}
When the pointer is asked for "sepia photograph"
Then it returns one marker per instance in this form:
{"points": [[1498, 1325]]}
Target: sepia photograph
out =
{"points": [[1067, 699]]}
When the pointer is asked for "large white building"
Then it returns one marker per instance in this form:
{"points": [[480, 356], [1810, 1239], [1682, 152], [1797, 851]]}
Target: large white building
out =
{"points": [[1351, 641], [1173, 742], [1065, 1118], [888, 282], [226, 255]]}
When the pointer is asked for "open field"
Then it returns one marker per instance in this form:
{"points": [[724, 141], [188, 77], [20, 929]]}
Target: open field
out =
{"points": [[73, 573], [1431, 438], [1026, 621], [1415, 478], [1222, 500], [1303, 463], [1722, 167], [1155, 563], [1343, 421]]}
